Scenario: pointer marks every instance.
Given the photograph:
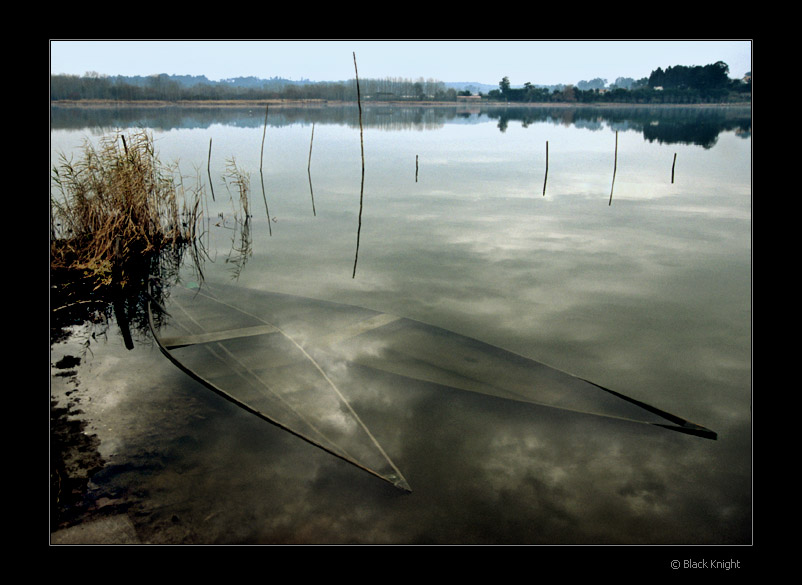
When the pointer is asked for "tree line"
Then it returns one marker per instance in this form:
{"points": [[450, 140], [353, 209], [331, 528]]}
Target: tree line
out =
{"points": [[164, 87], [678, 84]]}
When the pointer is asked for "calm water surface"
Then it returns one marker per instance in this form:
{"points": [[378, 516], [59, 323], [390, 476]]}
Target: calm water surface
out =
{"points": [[647, 293]]}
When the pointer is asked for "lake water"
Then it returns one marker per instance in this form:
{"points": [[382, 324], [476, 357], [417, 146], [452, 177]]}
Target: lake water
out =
{"points": [[641, 285]]}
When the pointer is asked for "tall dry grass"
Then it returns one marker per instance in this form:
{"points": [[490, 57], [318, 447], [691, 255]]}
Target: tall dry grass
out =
{"points": [[114, 207], [238, 183]]}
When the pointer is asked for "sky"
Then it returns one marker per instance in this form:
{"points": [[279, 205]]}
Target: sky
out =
{"points": [[541, 62]]}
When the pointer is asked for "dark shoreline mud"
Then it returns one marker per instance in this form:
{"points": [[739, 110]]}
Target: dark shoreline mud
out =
{"points": [[76, 502], [74, 457], [121, 425]]}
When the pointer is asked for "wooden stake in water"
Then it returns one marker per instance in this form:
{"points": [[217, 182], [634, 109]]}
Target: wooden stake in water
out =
{"points": [[362, 148], [261, 174], [672, 168], [615, 167], [546, 177], [309, 169], [416, 168]]}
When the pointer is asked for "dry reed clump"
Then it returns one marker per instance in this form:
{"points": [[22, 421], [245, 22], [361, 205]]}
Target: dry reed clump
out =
{"points": [[240, 181], [113, 209]]}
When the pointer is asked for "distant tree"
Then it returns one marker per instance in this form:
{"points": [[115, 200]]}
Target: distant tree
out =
{"points": [[717, 75], [623, 83], [567, 94], [504, 86], [597, 83], [708, 77]]}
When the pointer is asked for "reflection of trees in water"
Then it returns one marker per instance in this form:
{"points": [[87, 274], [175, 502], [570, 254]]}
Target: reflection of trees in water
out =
{"points": [[172, 117], [701, 134], [700, 126]]}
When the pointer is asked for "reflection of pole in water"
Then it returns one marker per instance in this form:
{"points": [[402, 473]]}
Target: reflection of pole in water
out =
{"points": [[615, 167], [211, 187], [546, 177], [362, 148], [674, 164], [209, 168], [309, 169], [261, 174]]}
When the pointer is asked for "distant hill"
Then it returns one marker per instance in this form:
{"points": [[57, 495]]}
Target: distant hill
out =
{"points": [[275, 83], [193, 80], [473, 86], [476, 88]]}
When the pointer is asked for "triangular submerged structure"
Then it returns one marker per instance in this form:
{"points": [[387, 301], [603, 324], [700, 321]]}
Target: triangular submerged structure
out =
{"points": [[245, 358], [276, 354]]}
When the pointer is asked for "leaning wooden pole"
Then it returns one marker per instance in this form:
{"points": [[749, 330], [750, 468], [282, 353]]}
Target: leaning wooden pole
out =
{"points": [[264, 133], [309, 170], [615, 168], [546, 177], [674, 164], [209, 169], [362, 149], [261, 174]]}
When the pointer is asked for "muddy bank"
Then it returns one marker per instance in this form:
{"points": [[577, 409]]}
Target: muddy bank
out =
{"points": [[74, 456], [124, 427]]}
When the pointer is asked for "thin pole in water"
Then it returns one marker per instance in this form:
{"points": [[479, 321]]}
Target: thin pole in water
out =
{"points": [[672, 168], [261, 174], [362, 148], [309, 169], [546, 177], [615, 168]]}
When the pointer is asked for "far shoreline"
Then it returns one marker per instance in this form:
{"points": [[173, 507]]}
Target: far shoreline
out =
{"points": [[330, 103]]}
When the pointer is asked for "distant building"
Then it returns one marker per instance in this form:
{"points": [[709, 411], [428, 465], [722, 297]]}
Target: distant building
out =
{"points": [[469, 98]]}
